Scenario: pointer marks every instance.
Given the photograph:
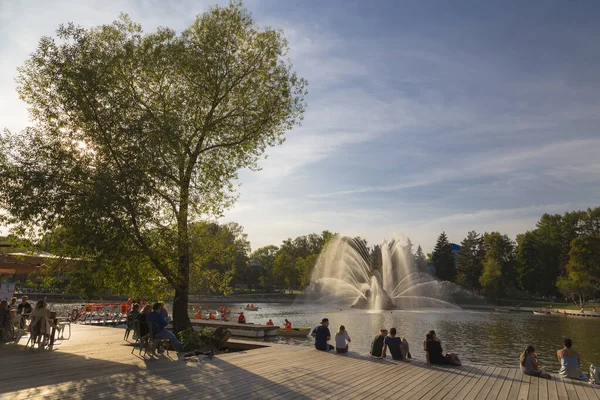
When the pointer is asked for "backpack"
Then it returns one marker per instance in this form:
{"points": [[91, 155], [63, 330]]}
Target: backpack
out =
{"points": [[594, 374]]}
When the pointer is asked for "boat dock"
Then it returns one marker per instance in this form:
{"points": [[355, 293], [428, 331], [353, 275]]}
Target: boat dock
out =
{"points": [[97, 363], [239, 330]]}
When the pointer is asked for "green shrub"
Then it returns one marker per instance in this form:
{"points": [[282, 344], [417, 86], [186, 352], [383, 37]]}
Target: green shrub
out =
{"points": [[194, 340]]}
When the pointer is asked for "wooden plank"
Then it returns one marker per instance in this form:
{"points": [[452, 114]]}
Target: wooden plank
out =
{"points": [[525, 387], [97, 364], [562, 389], [552, 389], [435, 385], [534, 388], [543, 389], [481, 388], [454, 385], [472, 384], [508, 382], [498, 383], [516, 386]]}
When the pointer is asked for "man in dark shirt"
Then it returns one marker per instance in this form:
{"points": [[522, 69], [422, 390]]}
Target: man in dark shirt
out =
{"points": [[377, 344], [395, 345], [322, 335], [158, 326], [24, 310], [24, 307]]}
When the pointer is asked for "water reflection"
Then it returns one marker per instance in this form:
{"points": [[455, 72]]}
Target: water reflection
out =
{"points": [[477, 337]]}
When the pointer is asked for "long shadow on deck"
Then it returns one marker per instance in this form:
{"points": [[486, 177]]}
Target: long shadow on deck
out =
{"points": [[37, 374]]}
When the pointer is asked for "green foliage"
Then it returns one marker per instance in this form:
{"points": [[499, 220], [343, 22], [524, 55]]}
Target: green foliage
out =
{"points": [[219, 254], [420, 260], [582, 280], [443, 259], [137, 135], [194, 340], [265, 257], [491, 277], [295, 259], [469, 265], [499, 256]]}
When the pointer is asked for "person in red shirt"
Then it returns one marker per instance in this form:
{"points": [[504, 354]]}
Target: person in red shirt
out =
{"points": [[270, 323], [287, 325], [241, 318]]}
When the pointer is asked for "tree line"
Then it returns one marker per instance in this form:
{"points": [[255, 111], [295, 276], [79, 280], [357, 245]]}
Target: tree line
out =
{"points": [[560, 256]]}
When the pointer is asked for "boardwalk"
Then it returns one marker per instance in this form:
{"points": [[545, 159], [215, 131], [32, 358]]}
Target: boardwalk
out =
{"points": [[95, 363]]}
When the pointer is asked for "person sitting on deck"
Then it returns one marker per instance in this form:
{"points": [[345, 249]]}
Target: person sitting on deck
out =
{"points": [[242, 318], [322, 336], [341, 340], [395, 345], [270, 323], [133, 314], [24, 310], [41, 315], [142, 318], [434, 351], [159, 324], [164, 311], [4, 320], [529, 364], [287, 325], [570, 362], [377, 344]]}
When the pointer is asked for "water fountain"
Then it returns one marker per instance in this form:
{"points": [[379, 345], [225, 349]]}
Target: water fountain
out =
{"points": [[386, 278]]}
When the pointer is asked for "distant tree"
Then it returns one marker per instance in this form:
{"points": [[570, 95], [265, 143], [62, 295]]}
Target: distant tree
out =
{"points": [[528, 262], [591, 222], [584, 258], [491, 277], [499, 255], [469, 263], [141, 134], [420, 260], [443, 259], [265, 256]]}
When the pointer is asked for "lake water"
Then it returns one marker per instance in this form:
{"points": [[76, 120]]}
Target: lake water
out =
{"points": [[477, 337]]}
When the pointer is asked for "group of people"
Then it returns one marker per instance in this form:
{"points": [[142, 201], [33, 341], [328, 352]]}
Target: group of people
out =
{"points": [[157, 318], [570, 362], [397, 346], [14, 319]]}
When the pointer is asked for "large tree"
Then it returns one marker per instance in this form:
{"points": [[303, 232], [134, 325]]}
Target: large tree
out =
{"points": [[498, 265], [443, 259], [137, 135], [469, 261]]}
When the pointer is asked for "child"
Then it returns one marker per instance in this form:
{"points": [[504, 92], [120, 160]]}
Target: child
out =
{"points": [[529, 364]]}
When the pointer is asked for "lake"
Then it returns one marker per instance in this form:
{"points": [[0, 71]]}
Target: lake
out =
{"points": [[476, 336]]}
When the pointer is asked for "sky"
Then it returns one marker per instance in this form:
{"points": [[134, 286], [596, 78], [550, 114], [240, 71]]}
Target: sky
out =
{"points": [[423, 116]]}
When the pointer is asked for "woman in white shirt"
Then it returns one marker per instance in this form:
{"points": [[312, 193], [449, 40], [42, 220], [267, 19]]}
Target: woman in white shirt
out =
{"points": [[341, 340], [41, 315]]}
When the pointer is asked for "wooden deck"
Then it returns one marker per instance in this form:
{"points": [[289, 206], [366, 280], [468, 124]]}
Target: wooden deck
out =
{"points": [[96, 363]]}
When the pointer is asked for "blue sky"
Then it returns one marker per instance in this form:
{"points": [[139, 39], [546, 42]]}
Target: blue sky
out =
{"points": [[422, 116]]}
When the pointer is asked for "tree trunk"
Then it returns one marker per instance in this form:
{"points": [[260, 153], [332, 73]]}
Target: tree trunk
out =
{"points": [[181, 319]]}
